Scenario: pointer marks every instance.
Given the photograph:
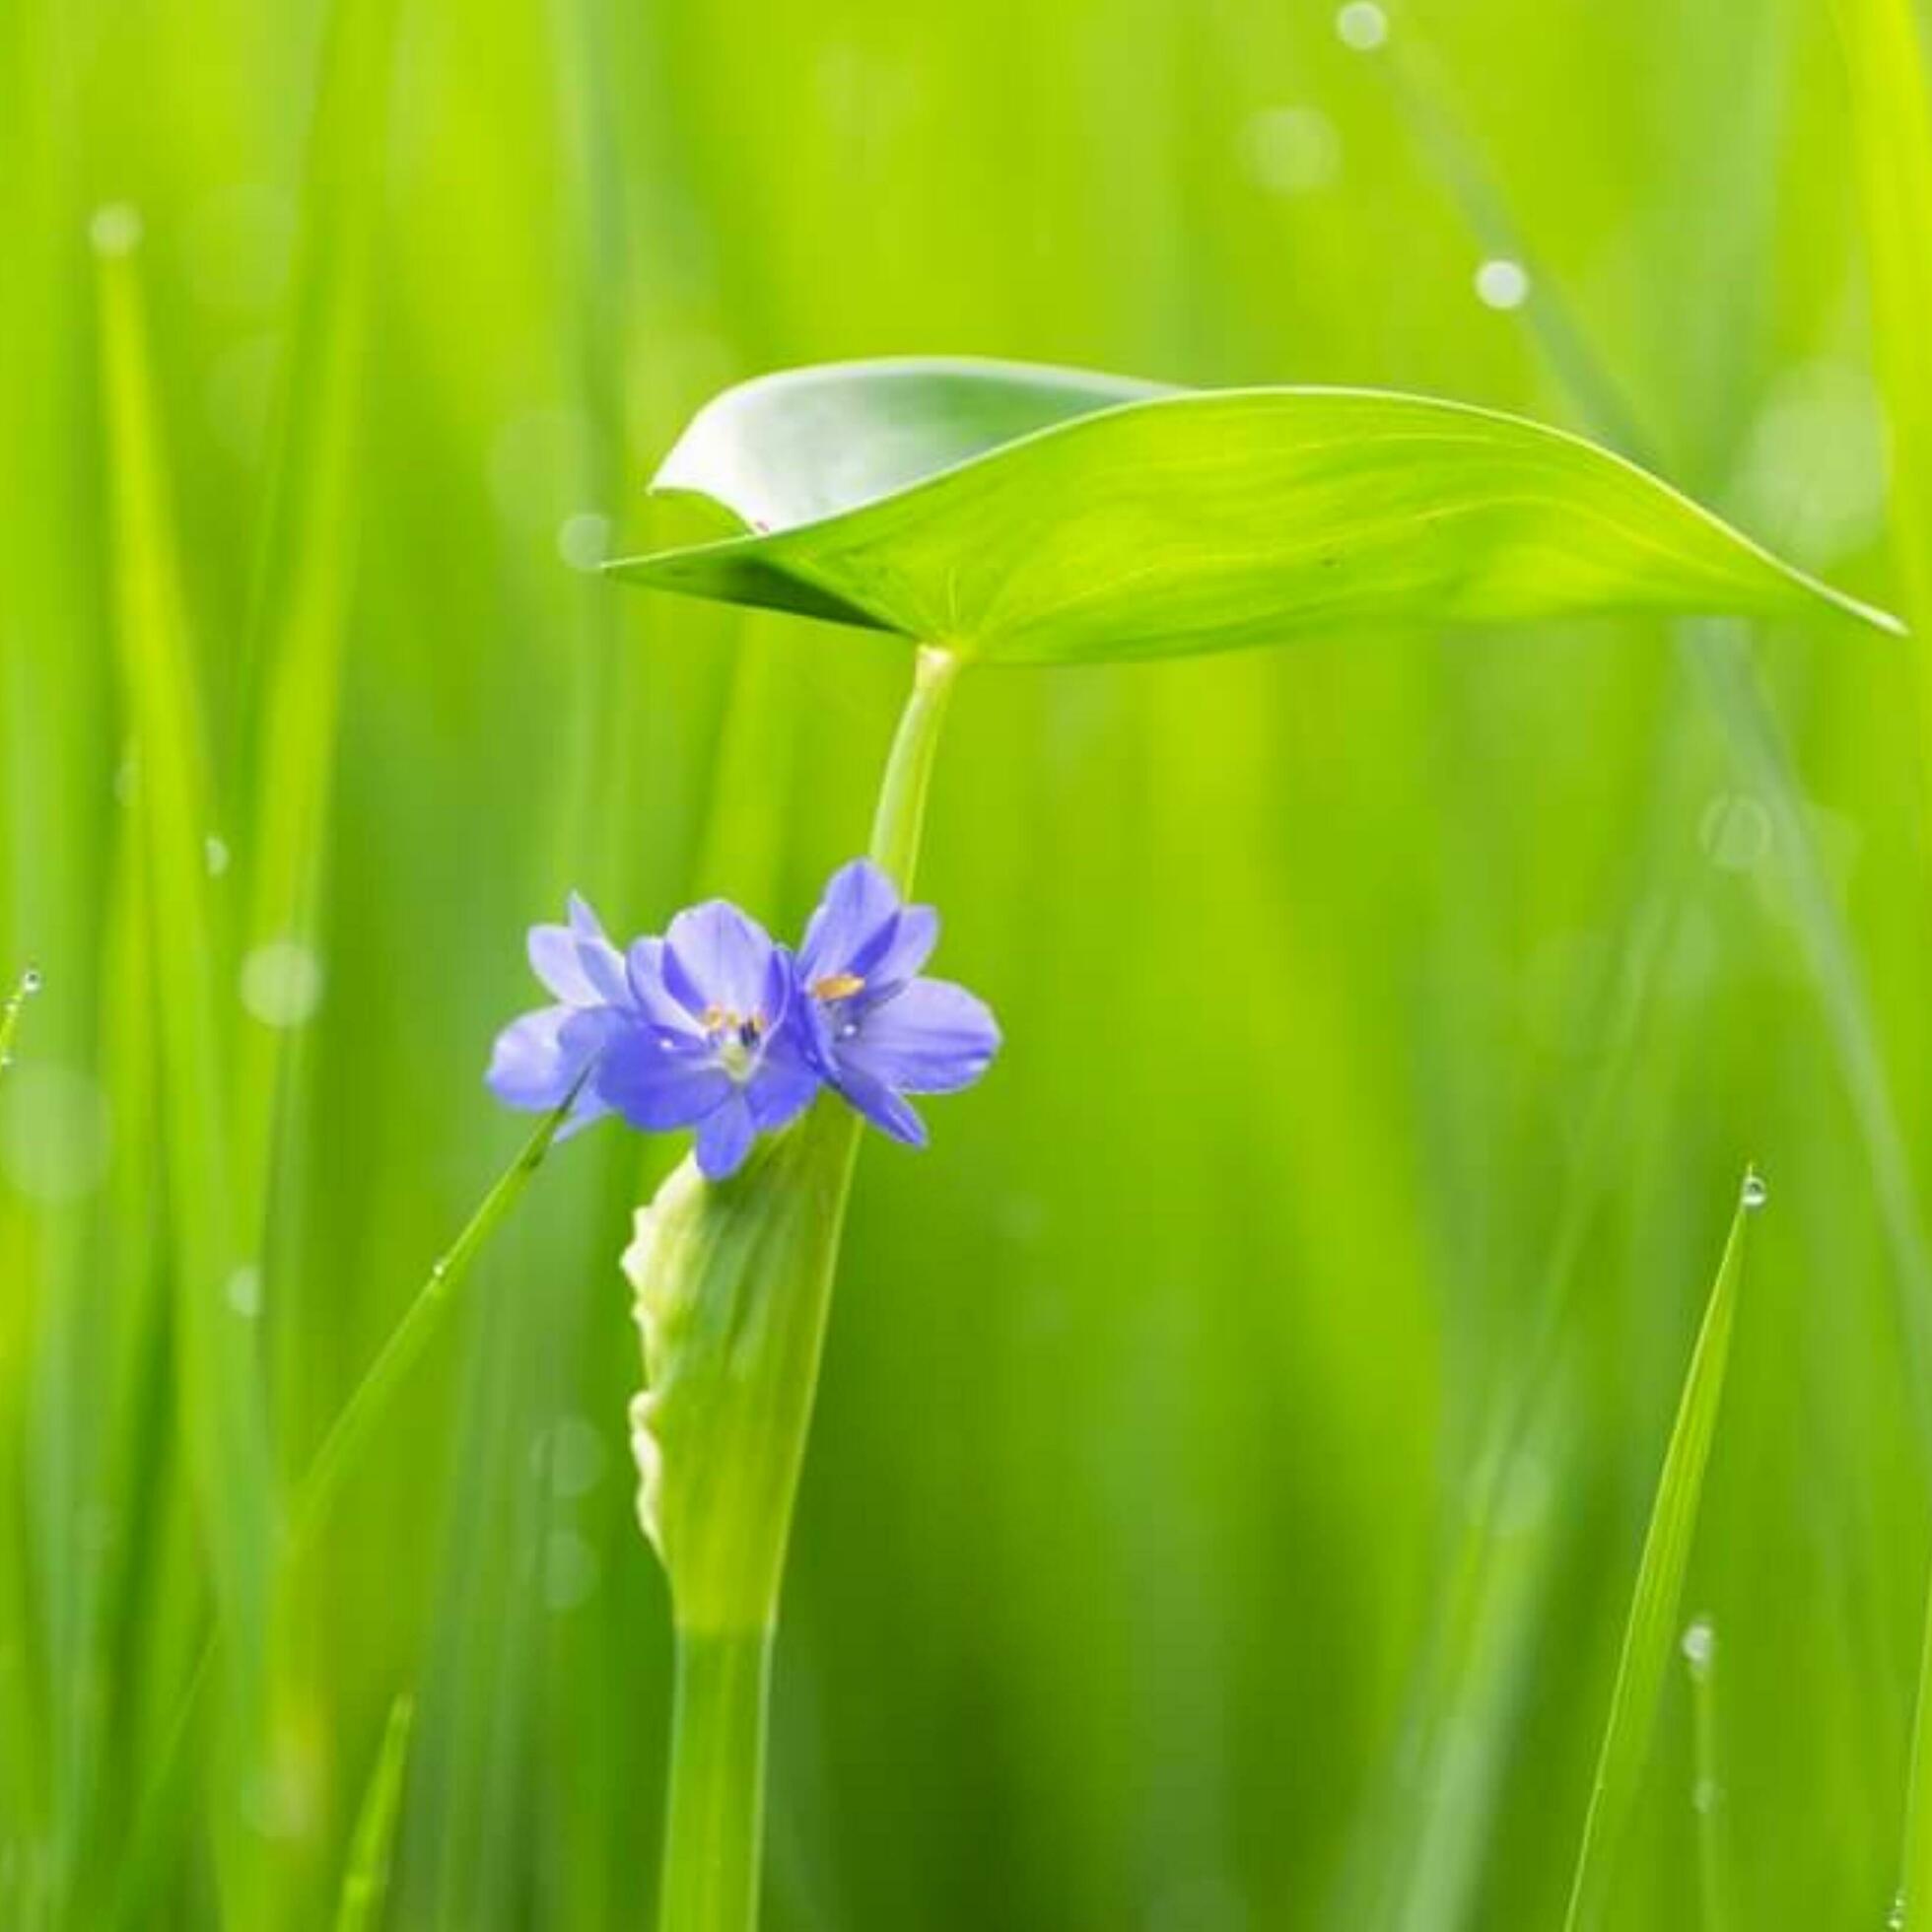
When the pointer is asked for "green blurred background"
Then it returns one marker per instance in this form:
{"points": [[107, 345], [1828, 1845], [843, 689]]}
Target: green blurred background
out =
{"points": [[1238, 1431]]}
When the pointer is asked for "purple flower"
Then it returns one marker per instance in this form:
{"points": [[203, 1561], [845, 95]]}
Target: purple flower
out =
{"points": [[543, 1058], [722, 1048], [876, 1030], [716, 1029]]}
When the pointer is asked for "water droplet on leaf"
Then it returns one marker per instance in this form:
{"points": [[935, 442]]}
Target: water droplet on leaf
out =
{"points": [[242, 1291], [1699, 1645], [1362, 26], [1502, 284], [282, 983], [115, 230], [1756, 1192], [584, 539]]}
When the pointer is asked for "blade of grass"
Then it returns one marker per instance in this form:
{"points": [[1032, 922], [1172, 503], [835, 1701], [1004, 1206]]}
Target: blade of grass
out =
{"points": [[1722, 661], [360, 1417], [366, 1883], [1706, 1794], [1915, 1868], [1892, 144], [1652, 1629], [223, 1415], [1894, 130], [342, 1449], [1497, 1580], [306, 562], [1756, 747]]}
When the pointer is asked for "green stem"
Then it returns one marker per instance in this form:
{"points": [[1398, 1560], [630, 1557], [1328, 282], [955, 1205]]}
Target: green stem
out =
{"points": [[726, 1577], [348, 1441], [716, 1826], [349, 1435], [901, 814]]}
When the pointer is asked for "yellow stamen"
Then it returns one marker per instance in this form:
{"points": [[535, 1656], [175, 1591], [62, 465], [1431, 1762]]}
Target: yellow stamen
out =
{"points": [[837, 986]]}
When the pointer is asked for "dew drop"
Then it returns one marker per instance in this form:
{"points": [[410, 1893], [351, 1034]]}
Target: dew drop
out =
{"points": [[438, 1271], [1362, 26], [242, 1291], [282, 983], [1502, 284], [584, 539], [1895, 1917], [570, 1455], [215, 855], [571, 1572], [1699, 1646], [31, 981], [1755, 1192], [115, 230], [1292, 151]]}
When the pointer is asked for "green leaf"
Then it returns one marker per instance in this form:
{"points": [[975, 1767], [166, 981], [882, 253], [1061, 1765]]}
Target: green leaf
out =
{"points": [[1047, 516], [1891, 145], [304, 570], [223, 1418], [366, 1882], [1651, 1630]]}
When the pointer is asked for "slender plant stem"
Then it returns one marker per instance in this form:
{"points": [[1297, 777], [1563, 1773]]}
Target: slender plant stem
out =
{"points": [[716, 1826], [347, 1441], [900, 819], [715, 1818], [349, 1435]]}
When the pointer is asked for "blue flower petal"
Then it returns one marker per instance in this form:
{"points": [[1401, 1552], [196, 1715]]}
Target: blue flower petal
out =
{"points": [[784, 1086], [725, 1137], [933, 1037], [655, 1085], [553, 951], [602, 966], [644, 980], [539, 1058], [777, 996], [912, 940], [881, 1106], [853, 925], [715, 956], [577, 962], [528, 1065]]}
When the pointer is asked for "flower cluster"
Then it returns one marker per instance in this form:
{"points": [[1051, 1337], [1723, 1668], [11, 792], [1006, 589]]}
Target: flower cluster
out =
{"points": [[719, 1028]]}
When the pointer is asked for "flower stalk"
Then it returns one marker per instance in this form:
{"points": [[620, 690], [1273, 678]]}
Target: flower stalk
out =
{"points": [[733, 1289]]}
